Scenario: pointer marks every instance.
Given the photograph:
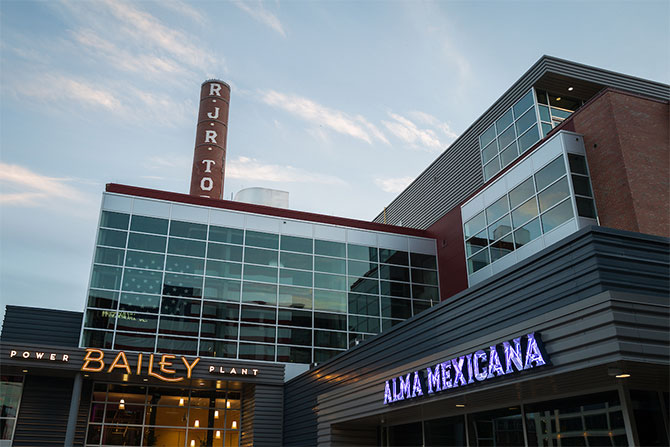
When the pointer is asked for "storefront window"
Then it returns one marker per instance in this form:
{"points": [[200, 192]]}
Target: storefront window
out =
{"points": [[10, 397], [498, 427], [651, 429], [444, 431]]}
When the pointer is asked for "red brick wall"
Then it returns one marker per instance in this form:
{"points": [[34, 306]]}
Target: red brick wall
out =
{"points": [[448, 231], [627, 146]]}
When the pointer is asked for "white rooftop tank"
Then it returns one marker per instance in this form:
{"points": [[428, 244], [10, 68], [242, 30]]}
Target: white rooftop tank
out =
{"points": [[263, 196]]}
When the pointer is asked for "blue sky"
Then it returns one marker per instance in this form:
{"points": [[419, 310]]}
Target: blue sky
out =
{"points": [[341, 103]]}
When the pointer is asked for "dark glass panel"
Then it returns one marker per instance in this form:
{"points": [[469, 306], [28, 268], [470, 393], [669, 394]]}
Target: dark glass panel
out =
{"points": [[260, 273], [492, 168], [362, 253], [139, 303], [490, 152], [149, 225], [397, 257], [478, 261], [425, 293], [363, 324], [298, 297], [326, 339], [224, 269], [473, 226], [298, 318], [330, 300], [424, 276], [258, 293], [105, 277], [556, 216], [330, 321], [406, 435], [296, 261], [582, 185], [102, 298], [147, 242], [291, 354], [550, 173], [224, 252], [295, 277], [362, 285], [546, 128], [229, 235], [135, 322], [185, 265], [113, 435], [578, 164], [111, 219], [182, 285], [217, 348], [132, 342], [178, 326], [504, 121], [395, 289], [502, 247], [445, 431], [544, 114], [527, 140], [509, 154], [174, 345], [260, 256], [323, 355], [564, 102], [554, 194], [180, 307], [257, 352], [144, 260], [506, 137], [541, 97], [487, 136], [497, 209], [522, 105], [112, 256], [498, 427], [254, 314], [363, 304], [527, 119], [299, 244], [396, 308], [527, 233], [524, 213], [222, 311], [325, 281], [97, 339], [328, 248], [263, 240], [368, 269], [423, 261], [476, 243], [585, 207], [188, 229], [419, 306], [222, 289], [186, 247], [388, 324], [330, 265], [500, 228], [521, 193], [255, 332], [649, 418], [143, 281], [294, 336], [112, 238], [394, 273]]}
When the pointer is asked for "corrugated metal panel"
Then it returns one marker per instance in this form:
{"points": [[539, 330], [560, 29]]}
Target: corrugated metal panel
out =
{"points": [[566, 291], [42, 419], [458, 169], [248, 407], [268, 412], [82, 415], [30, 325]]}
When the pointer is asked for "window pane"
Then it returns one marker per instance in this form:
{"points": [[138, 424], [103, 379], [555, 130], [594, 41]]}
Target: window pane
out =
{"points": [[329, 248], [260, 256], [180, 307], [328, 300], [394, 273], [188, 229], [582, 185], [216, 348], [225, 252], [295, 277], [186, 247], [396, 308], [546, 128], [497, 209], [476, 243], [144, 281], [254, 332], [139, 303], [525, 212], [110, 219], [102, 298], [395, 289], [549, 173], [257, 352], [330, 321], [478, 261], [527, 233], [424, 276], [259, 293], [185, 265], [362, 253], [367, 269], [523, 104], [99, 339], [224, 269], [528, 139], [324, 281], [500, 228], [222, 289], [144, 260], [132, 342], [296, 261], [291, 354], [263, 240], [509, 155], [364, 324], [504, 121], [147, 242], [363, 285], [425, 292], [506, 137], [558, 113], [322, 355], [112, 238], [491, 168], [586, 207], [260, 273], [176, 345], [577, 164], [255, 314], [299, 318], [397, 257], [501, 248], [490, 152], [293, 243], [363, 304], [541, 97], [113, 256], [100, 319], [134, 322], [521, 193], [229, 235], [328, 339], [498, 427], [487, 136], [221, 311], [149, 225], [297, 297], [556, 216], [329, 265], [554, 194], [105, 277], [474, 225], [544, 113], [182, 285], [423, 261]]}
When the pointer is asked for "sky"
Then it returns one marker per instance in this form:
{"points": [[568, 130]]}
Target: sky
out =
{"points": [[340, 103]]}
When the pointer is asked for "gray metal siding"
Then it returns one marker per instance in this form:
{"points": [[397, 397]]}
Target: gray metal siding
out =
{"points": [[42, 419], [577, 292], [30, 325], [458, 169], [268, 412]]}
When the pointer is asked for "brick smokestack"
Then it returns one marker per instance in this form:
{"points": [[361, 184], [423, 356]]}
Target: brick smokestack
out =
{"points": [[210, 140]]}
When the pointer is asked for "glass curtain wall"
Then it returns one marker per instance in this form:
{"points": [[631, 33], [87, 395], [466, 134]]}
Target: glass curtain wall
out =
{"points": [[195, 289], [10, 398]]}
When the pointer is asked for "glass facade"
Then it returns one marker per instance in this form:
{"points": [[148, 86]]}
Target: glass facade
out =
{"points": [[165, 416], [520, 127], [10, 398], [171, 286]]}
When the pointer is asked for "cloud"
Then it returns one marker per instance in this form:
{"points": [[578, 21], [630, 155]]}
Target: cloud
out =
{"points": [[245, 168], [57, 88], [354, 126], [393, 185], [418, 138], [23, 187], [184, 10], [256, 10]]}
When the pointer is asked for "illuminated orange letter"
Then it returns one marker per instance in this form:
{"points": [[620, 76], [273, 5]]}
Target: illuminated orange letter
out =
{"points": [[189, 368], [158, 376], [116, 364], [88, 359], [164, 364], [139, 363]]}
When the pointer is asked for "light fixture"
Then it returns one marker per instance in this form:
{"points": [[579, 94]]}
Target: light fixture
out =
{"points": [[558, 99], [234, 425], [145, 379], [196, 424], [216, 414], [218, 384], [192, 442], [25, 370], [85, 375], [613, 371], [460, 405], [122, 404], [622, 376], [218, 434], [125, 377], [570, 89], [181, 401], [227, 404]]}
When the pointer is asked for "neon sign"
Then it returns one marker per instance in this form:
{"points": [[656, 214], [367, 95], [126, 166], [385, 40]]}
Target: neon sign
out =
{"points": [[502, 359]]}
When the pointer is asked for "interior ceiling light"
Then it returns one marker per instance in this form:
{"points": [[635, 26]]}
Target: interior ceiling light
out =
{"points": [[181, 401], [122, 404], [25, 370], [622, 376], [218, 434], [570, 89], [558, 99], [234, 425], [460, 405]]}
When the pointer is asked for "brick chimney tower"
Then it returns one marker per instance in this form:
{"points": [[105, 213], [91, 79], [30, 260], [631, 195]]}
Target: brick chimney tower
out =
{"points": [[210, 140]]}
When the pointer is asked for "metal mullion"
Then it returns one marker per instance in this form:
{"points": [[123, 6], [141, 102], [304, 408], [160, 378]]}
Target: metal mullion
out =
{"points": [[160, 301], [123, 274]]}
